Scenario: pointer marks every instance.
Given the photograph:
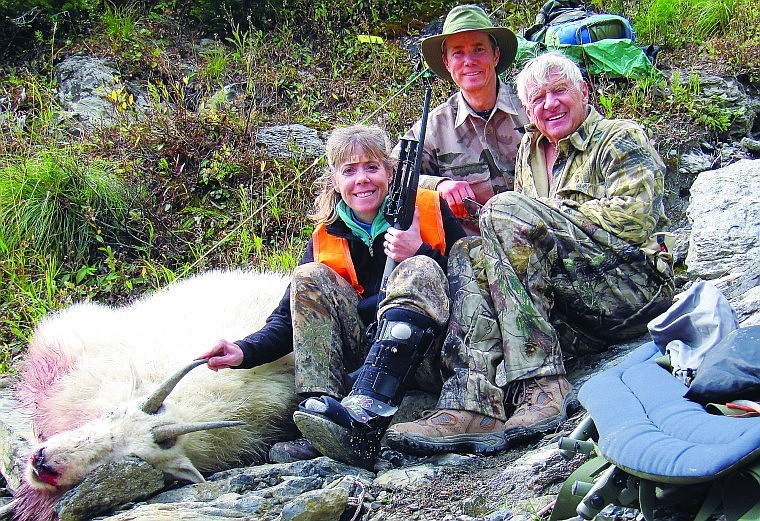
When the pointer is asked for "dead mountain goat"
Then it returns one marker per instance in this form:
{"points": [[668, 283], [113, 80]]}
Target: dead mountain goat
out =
{"points": [[103, 383]]}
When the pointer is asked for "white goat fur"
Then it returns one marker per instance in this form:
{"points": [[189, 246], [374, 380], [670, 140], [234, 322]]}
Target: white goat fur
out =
{"points": [[89, 367]]}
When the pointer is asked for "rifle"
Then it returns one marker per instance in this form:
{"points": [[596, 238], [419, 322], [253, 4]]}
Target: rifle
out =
{"points": [[402, 192]]}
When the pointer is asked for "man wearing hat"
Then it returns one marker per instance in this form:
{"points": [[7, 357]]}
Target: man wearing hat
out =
{"points": [[472, 139]]}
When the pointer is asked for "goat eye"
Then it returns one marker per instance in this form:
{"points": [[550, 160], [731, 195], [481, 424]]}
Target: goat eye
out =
{"points": [[168, 443]]}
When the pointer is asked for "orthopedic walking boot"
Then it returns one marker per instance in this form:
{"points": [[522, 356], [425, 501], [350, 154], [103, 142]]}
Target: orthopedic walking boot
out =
{"points": [[541, 404], [448, 430], [350, 430]]}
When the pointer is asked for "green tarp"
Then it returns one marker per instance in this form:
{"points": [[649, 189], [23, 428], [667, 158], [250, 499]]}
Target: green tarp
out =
{"points": [[612, 58]]}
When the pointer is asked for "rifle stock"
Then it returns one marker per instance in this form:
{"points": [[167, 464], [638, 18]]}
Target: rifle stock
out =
{"points": [[402, 192]]}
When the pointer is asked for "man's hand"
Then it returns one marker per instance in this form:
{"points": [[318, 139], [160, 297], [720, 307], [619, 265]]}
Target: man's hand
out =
{"points": [[401, 244], [453, 192], [224, 354]]}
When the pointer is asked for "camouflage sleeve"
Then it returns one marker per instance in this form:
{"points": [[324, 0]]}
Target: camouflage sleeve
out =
{"points": [[632, 173]]}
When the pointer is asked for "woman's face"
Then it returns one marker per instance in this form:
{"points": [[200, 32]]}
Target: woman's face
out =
{"points": [[363, 184]]}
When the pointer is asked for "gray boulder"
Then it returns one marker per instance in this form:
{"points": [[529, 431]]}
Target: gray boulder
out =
{"points": [[724, 211], [291, 141], [89, 90]]}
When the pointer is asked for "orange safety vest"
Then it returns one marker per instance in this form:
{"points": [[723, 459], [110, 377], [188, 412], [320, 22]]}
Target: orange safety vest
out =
{"points": [[333, 251]]}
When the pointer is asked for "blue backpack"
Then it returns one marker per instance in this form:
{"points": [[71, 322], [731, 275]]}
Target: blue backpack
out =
{"points": [[568, 22]]}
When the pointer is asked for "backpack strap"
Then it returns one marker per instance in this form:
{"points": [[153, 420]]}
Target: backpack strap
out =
{"points": [[741, 494]]}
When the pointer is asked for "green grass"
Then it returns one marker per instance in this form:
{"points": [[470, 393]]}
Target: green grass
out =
{"points": [[55, 202], [31, 281], [681, 22], [119, 22]]}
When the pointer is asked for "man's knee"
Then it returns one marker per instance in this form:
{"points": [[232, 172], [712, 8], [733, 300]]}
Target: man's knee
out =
{"points": [[465, 245], [419, 284], [505, 200], [508, 210]]}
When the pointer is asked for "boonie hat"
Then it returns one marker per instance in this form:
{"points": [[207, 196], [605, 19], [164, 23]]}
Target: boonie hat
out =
{"points": [[468, 18]]}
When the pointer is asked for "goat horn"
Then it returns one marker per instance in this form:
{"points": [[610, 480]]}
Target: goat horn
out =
{"points": [[154, 401], [9, 509], [167, 432]]}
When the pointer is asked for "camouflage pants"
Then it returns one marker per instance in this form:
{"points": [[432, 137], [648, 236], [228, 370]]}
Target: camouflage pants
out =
{"points": [[537, 283], [328, 335]]}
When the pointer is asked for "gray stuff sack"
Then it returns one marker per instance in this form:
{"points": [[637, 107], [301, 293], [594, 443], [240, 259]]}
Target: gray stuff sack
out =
{"points": [[699, 320]]}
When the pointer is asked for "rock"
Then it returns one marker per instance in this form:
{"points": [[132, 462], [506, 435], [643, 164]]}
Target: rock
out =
{"points": [[405, 476], [725, 213], [751, 145], [16, 436], [533, 474], [414, 404], [90, 89], [109, 486], [291, 140], [681, 247], [316, 505], [84, 86], [84, 83], [729, 93], [694, 162]]}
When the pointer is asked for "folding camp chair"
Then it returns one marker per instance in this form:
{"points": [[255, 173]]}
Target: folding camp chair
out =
{"points": [[654, 448]]}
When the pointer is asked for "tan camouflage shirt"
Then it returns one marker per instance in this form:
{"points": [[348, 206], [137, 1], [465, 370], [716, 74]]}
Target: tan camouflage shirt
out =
{"points": [[607, 170], [457, 138]]}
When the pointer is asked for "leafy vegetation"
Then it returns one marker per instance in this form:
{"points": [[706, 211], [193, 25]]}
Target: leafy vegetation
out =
{"points": [[178, 181]]}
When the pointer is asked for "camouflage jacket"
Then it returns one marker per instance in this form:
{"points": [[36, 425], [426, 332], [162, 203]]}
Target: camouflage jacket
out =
{"points": [[456, 138], [607, 170]]}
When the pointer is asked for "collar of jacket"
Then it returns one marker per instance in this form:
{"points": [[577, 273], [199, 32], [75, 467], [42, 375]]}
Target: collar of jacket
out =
{"points": [[580, 139], [504, 103], [379, 225]]}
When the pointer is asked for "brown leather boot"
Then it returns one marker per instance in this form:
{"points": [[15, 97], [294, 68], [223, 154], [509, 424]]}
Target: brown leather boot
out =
{"points": [[540, 406], [448, 430]]}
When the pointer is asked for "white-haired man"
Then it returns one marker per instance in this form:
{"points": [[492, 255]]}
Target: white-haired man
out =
{"points": [[563, 266]]}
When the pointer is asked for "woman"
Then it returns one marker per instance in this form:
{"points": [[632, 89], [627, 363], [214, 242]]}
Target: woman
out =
{"points": [[333, 296]]}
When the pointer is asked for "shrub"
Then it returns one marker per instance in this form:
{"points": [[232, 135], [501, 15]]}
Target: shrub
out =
{"points": [[55, 202]]}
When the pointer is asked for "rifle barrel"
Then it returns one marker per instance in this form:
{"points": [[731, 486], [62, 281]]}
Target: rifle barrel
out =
{"points": [[404, 189]]}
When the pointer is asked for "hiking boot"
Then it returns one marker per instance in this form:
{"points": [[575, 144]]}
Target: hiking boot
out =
{"points": [[448, 430], [290, 451], [540, 406]]}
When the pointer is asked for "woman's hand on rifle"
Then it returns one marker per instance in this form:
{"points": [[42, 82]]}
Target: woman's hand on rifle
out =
{"points": [[401, 244]]}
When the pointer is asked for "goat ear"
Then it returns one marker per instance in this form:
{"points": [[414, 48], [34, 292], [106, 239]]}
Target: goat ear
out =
{"points": [[183, 468]]}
